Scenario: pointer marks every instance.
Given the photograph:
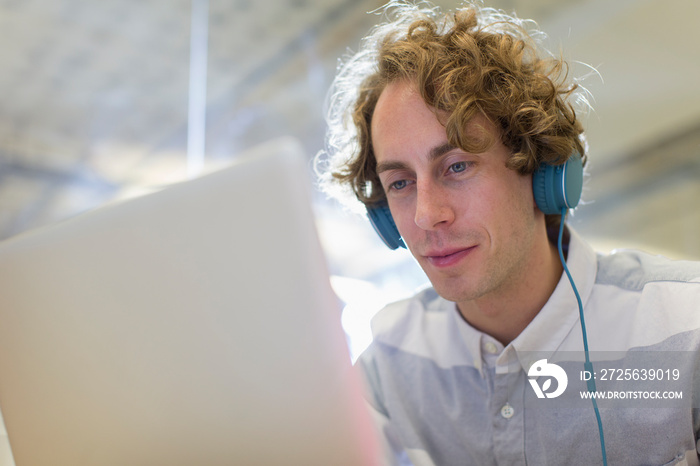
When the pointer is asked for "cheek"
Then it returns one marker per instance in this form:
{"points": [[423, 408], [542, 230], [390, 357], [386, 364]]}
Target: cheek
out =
{"points": [[522, 195], [515, 208], [401, 213]]}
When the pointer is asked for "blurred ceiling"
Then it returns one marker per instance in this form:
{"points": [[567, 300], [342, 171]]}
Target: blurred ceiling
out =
{"points": [[96, 93], [95, 103]]}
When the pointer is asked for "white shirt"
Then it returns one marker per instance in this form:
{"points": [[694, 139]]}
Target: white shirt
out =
{"points": [[444, 393]]}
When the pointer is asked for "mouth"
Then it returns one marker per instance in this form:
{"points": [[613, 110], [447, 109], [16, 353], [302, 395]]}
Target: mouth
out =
{"points": [[448, 258]]}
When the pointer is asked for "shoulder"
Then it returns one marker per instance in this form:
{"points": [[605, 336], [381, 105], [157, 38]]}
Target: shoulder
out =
{"points": [[415, 325], [424, 329], [416, 341], [397, 341], [399, 316], [652, 300], [634, 270]]}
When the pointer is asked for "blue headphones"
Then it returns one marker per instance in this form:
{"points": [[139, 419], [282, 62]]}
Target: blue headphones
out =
{"points": [[554, 187]]}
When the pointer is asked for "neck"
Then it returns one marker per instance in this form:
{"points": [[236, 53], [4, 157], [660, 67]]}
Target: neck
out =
{"points": [[505, 314]]}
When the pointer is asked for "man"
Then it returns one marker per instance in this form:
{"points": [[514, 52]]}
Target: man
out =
{"points": [[451, 117]]}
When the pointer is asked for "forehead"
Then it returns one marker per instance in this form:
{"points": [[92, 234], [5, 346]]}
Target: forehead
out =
{"points": [[402, 118], [398, 100], [403, 122]]}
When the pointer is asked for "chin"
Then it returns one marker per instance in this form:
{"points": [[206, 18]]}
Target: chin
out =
{"points": [[455, 292]]}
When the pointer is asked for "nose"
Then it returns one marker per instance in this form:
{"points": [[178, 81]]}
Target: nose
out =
{"points": [[433, 207]]}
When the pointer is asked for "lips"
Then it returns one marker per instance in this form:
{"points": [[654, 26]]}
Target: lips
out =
{"points": [[448, 257]]}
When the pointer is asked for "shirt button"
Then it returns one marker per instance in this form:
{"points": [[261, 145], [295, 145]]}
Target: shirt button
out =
{"points": [[491, 347], [507, 411]]}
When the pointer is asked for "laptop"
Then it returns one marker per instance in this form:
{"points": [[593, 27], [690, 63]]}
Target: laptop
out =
{"points": [[195, 325]]}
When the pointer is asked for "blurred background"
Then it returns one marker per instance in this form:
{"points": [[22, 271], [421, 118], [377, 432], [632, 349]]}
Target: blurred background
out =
{"points": [[103, 100]]}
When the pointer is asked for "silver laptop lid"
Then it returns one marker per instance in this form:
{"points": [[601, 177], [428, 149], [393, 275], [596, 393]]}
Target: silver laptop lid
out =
{"points": [[195, 325]]}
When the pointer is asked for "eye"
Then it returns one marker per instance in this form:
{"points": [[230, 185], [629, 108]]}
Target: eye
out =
{"points": [[398, 185], [458, 167]]}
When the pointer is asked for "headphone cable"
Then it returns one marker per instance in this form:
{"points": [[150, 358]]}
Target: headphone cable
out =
{"points": [[588, 366]]}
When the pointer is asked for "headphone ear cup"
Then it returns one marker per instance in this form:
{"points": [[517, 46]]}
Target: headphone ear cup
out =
{"points": [[383, 223], [539, 188], [557, 187], [543, 189]]}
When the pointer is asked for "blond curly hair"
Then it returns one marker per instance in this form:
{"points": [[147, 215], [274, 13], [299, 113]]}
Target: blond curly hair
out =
{"points": [[474, 61]]}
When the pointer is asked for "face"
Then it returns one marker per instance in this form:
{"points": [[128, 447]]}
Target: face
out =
{"points": [[469, 220]]}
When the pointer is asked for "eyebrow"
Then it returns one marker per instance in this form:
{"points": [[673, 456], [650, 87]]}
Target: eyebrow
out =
{"points": [[434, 154], [438, 151]]}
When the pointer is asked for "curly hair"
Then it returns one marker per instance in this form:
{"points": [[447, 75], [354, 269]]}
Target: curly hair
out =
{"points": [[474, 61]]}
